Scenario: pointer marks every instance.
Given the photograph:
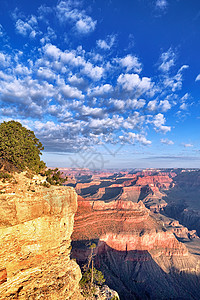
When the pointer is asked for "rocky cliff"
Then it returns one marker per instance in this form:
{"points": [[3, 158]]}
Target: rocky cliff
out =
{"points": [[36, 224], [139, 257]]}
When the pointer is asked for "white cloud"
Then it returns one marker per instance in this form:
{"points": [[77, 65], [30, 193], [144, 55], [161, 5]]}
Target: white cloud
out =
{"points": [[94, 72], [167, 142], [197, 78], [4, 60], [71, 92], [159, 121], [76, 81], [132, 82], [28, 27], [52, 51], [161, 4], [167, 60], [152, 105], [187, 145], [118, 104], [132, 137], [135, 104], [185, 97], [164, 105], [1, 31], [183, 106], [45, 73], [175, 82], [135, 121], [93, 112], [130, 63], [22, 70], [70, 12], [100, 90], [108, 43], [86, 25]]}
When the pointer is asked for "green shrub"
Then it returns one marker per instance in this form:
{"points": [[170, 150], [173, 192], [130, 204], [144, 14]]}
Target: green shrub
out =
{"points": [[88, 288], [54, 177], [5, 175]]}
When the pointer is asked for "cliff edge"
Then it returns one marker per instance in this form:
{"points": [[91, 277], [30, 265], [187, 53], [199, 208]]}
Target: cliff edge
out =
{"points": [[36, 224]]}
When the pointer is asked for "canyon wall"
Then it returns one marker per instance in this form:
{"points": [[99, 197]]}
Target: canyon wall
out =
{"points": [[138, 256], [36, 224]]}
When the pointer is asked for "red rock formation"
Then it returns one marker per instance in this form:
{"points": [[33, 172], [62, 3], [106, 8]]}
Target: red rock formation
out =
{"points": [[161, 181], [124, 226]]}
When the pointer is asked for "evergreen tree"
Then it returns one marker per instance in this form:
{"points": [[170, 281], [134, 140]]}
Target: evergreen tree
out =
{"points": [[20, 147]]}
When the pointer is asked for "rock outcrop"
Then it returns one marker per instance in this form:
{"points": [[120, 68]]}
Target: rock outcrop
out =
{"points": [[36, 224]]}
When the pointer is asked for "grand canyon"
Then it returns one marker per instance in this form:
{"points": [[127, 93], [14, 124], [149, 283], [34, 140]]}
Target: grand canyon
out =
{"points": [[146, 225]]}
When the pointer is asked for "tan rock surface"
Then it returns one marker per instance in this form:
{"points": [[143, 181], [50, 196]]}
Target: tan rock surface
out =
{"points": [[36, 224]]}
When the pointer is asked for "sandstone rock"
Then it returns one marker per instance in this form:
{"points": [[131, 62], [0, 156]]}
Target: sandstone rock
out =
{"points": [[36, 224]]}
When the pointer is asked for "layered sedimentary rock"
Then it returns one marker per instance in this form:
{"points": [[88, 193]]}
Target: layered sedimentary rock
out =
{"points": [[36, 224], [138, 256], [160, 181], [124, 226]]}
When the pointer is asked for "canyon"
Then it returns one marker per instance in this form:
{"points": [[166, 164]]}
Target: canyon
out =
{"points": [[145, 224]]}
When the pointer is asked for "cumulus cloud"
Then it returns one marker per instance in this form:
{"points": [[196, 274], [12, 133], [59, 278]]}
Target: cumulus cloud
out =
{"points": [[135, 103], [85, 96], [71, 58], [167, 142], [92, 112], [71, 92], [152, 105], [132, 138], [133, 83], [76, 81], [158, 122], [4, 60], [108, 43], [46, 73], [70, 12], [100, 90], [164, 105], [52, 51], [130, 63], [28, 27]]}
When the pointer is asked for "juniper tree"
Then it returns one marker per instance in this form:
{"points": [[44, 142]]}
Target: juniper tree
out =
{"points": [[20, 147]]}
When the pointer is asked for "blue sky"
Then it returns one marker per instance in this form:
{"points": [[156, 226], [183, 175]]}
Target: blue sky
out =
{"points": [[104, 84]]}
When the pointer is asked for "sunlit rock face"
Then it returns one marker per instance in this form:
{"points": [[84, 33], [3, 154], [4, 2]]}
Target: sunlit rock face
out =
{"points": [[36, 224], [138, 256], [124, 226], [159, 181]]}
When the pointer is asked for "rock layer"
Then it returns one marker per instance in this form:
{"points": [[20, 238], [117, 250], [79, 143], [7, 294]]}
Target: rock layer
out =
{"points": [[140, 259], [36, 224]]}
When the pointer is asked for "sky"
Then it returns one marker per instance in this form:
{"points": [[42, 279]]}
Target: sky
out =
{"points": [[104, 83]]}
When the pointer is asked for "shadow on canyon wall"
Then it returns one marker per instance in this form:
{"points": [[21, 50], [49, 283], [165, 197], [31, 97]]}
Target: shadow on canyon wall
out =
{"points": [[183, 200], [136, 275]]}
